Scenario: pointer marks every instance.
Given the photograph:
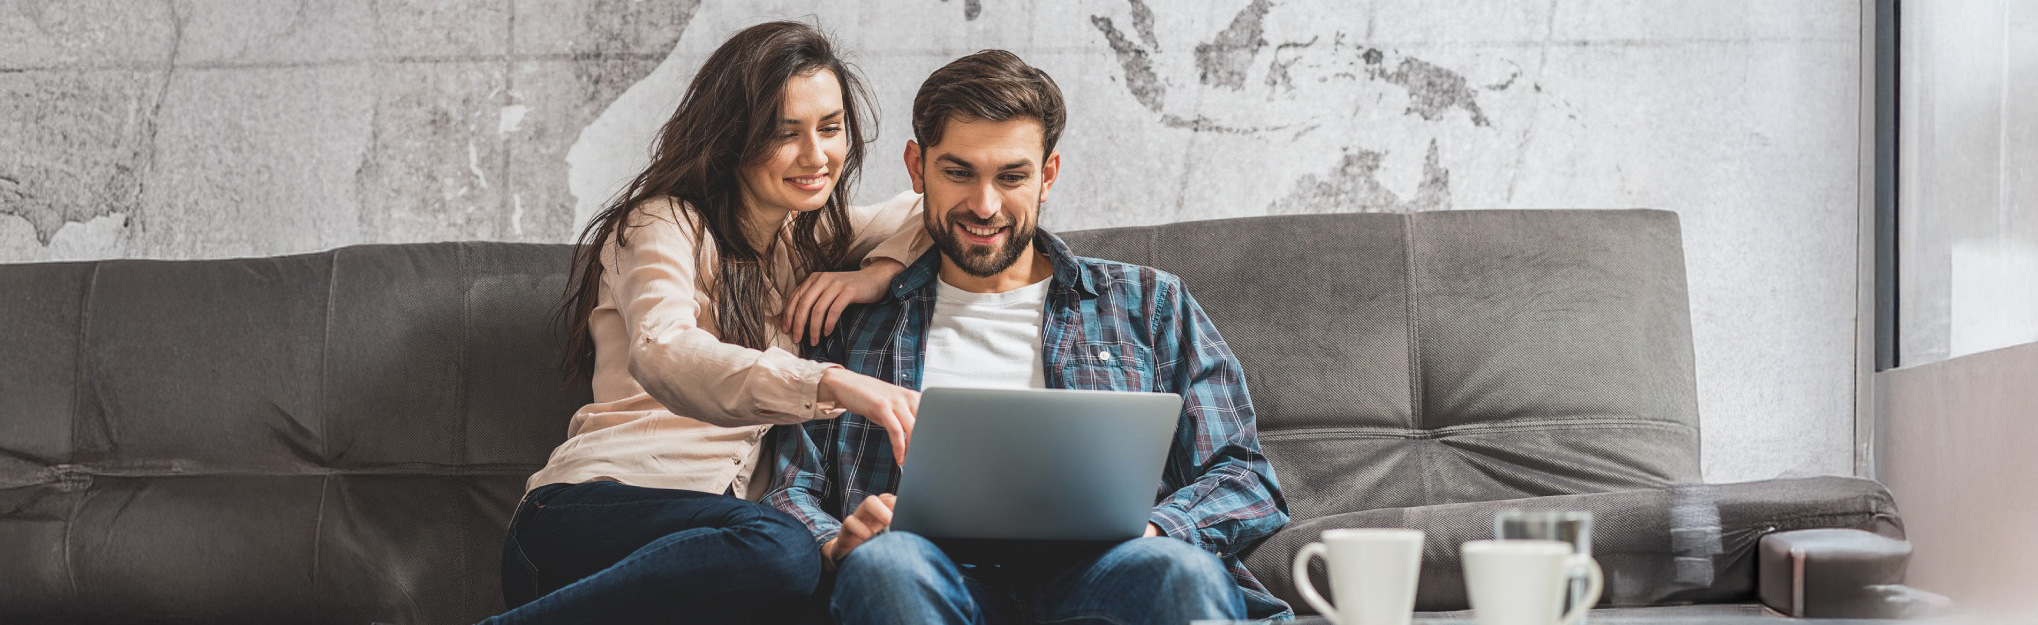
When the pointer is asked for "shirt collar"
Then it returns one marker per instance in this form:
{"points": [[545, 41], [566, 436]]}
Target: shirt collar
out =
{"points": [[1068, 272]]}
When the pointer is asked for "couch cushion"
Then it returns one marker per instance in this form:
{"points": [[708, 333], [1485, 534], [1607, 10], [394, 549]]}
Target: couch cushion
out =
{"points": [[332, 437], [1408, 360]]}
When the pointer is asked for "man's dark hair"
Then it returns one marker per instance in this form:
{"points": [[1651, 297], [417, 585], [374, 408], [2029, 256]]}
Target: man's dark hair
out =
{"points": [[991, 85]]}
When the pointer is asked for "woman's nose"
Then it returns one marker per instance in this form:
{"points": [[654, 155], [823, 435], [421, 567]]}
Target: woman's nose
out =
{"points": [[812, 154]]}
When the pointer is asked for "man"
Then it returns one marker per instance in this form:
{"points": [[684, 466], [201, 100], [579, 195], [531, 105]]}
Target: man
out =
{"points": [[999, 302]]}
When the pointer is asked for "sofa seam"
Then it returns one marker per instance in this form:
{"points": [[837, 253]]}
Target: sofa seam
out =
{"points": [[460, 454], [425, 471], [318, 528], [78, 384], [1388, 433], [1779, 521], [325, 417], [1409, 308]]}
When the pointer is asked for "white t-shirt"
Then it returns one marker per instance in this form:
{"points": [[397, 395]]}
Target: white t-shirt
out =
{"points": [[985, 340]]}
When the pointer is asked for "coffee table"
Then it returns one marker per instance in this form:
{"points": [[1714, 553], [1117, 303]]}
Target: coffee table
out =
{"points": [[1728, 614]]}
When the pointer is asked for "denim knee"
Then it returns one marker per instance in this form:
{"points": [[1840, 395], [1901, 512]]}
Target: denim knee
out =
{"points": [[900, 577], [1173, 562], [780, 550], [893, 558]]}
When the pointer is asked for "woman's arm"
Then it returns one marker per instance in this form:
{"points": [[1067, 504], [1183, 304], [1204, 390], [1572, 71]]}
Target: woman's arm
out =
{"points": [[889, 236], [694, 373], [895, 230], [686, 368]]}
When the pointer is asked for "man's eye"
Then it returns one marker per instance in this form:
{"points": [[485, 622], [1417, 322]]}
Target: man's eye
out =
{"points": [[957, 173], [1014, 177]]}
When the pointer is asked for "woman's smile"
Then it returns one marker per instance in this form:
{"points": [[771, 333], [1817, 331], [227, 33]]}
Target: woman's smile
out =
{"points": [[809, 184]]}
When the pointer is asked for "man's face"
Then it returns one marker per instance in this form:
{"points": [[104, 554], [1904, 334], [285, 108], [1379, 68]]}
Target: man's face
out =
{"points": [[984, 184]]}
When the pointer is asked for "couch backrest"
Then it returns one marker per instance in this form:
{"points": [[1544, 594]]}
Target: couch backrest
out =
{"points": [[1402, 360], [344, 434], [334, 437]]}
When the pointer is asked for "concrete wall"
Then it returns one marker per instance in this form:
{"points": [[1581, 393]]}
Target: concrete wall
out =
{"points": [[1956, 451], [1968, 188], [192, 129]]}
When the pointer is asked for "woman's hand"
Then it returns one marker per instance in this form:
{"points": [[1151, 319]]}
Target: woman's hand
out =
{"points": [[888, 405], [812, 309]]}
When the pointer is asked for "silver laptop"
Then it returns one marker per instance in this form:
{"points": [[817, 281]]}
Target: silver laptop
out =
{"points": [[1055, 465]]}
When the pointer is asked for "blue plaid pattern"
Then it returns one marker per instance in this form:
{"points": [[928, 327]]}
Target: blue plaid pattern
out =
{"points": [[1218, 491]]}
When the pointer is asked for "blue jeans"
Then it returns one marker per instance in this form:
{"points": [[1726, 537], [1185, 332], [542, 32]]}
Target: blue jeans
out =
{"points": [[603, 552], [899, 577]]}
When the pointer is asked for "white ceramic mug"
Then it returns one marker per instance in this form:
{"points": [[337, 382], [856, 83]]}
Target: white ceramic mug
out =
{"points": [[1524, 582], [1372, 575]]}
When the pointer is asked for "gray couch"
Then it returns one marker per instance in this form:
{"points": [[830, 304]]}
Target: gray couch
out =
{"points": [[340, 437]]}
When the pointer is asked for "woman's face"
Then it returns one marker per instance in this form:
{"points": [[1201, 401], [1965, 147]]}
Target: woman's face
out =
{"points": [[799, 171]]}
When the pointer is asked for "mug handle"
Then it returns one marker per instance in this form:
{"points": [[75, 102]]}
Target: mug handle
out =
{"points": [[1591, 597], [1307, 588]]}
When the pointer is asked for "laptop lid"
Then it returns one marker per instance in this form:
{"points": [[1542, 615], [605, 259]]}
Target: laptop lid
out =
{"points": [[1035, 464]]}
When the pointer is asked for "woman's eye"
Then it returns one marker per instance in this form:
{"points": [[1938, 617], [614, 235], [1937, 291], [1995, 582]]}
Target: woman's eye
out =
{"points": [[831, 130]]}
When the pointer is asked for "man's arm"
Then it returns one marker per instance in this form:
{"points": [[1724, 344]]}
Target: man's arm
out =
{"points": [[1229, 499], [803, 486], [805, 455], [800, 485]]}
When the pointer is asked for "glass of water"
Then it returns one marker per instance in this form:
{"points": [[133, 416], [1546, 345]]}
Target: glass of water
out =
{"points": [[1569, 526]]}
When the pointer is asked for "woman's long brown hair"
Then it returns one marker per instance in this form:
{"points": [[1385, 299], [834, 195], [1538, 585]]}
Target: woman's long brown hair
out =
{"points": [[729, 118]]}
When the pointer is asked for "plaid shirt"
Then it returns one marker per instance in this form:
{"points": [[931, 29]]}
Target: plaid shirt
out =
{"points": [[1217, 492]]}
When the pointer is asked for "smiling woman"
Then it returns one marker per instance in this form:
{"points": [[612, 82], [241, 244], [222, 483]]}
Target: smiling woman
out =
{"points": [[673, 315], [798, 172]]}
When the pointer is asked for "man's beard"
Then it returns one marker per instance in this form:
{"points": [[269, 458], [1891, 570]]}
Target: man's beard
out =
{"points": [[981, 261]]}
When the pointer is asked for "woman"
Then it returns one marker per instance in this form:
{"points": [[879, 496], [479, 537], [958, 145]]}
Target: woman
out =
{"points": [[647, 512]]}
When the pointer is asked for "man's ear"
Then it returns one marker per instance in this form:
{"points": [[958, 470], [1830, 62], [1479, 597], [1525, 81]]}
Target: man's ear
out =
{"points": [[1048, 171], [913, 157]]}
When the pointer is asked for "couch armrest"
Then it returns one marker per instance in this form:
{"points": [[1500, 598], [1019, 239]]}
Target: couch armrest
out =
{"points": [[1671, 545], [1839, 573]]}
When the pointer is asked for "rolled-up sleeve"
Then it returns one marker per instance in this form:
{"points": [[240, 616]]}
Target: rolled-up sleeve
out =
{"points": [[801, 487], [654, 280], [1231, 499]]}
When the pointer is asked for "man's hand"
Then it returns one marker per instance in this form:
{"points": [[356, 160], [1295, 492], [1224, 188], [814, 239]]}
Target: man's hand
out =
{"points": [[890, 406], [813, 308], [1152, 530], [871, 516]]}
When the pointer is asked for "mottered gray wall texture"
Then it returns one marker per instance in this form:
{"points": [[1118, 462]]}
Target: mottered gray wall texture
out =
{"points": [[216, 128]]}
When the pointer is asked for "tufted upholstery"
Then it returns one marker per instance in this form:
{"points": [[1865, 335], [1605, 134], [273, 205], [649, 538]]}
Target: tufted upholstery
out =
{"points": [[340, 437], [1407, 360]]}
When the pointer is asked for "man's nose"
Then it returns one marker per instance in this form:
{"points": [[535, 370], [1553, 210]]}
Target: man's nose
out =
{"points": [[987, 203]]}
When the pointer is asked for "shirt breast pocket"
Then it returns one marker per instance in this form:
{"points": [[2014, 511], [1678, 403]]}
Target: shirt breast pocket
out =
{"points": [[1110, 366]]}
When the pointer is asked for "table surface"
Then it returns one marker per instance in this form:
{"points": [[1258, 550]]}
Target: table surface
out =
{"points": [[1742, 614]]}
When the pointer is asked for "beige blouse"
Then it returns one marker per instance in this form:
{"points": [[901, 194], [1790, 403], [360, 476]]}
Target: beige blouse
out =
{"points": [[674, 406]]}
